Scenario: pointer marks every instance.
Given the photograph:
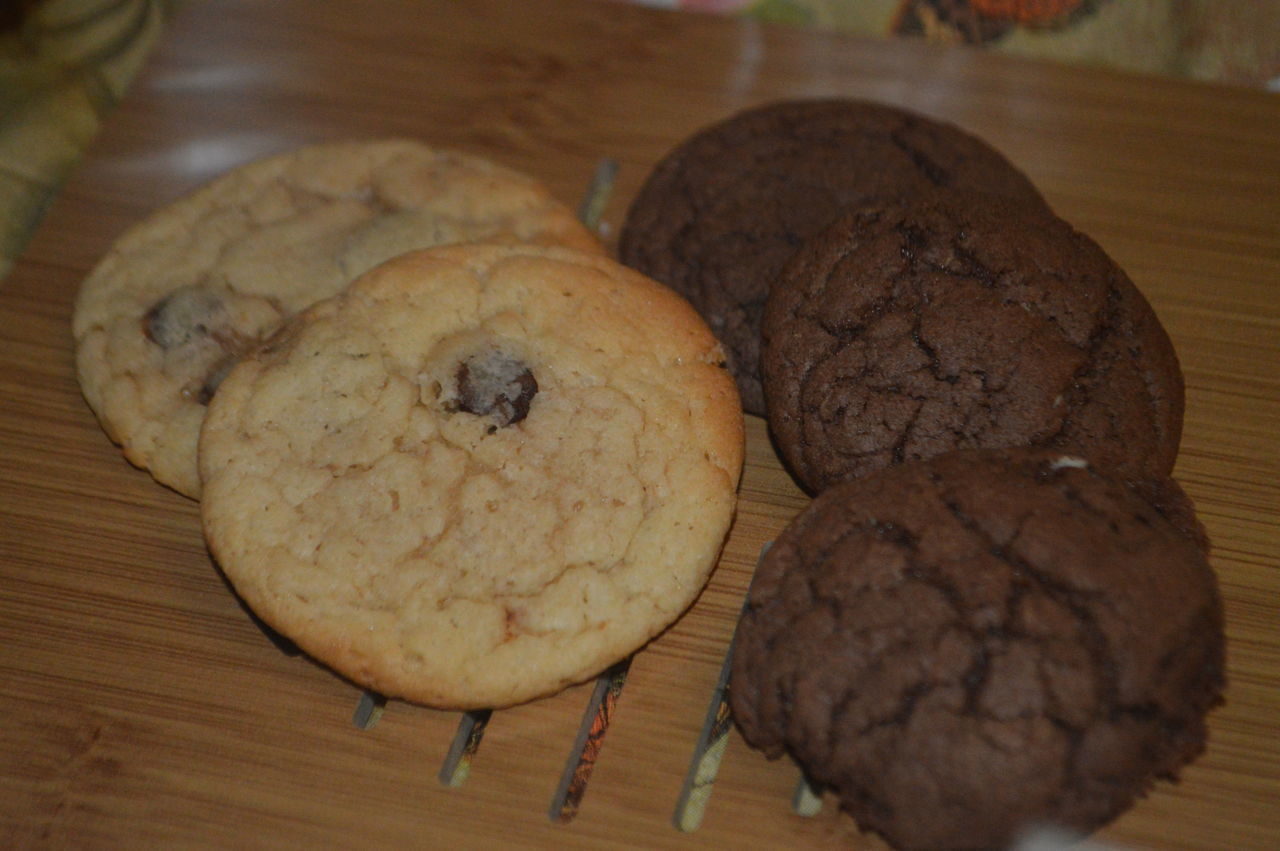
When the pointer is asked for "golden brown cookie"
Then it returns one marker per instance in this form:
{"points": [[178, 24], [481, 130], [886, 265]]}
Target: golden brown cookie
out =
{"points": [[182, 295], [480, 474]]}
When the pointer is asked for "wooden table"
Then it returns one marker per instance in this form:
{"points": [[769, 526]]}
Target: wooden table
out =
{"points": [[140, 706]]}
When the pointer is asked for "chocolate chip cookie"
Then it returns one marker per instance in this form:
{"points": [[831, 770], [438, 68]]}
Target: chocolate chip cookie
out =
{"points": [[719, 215], [964, 321], [185, 293], [478, 475], [967, 647]]}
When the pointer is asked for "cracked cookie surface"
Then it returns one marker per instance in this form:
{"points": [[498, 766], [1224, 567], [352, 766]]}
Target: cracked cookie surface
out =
{"points": [[965, 647], [967, 321], [480, 474], [185, 293], [719, 215]]}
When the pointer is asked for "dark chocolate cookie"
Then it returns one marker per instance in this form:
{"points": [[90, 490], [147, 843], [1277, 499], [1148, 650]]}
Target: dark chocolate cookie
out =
{"points": [[721, 213], [965, 647], [965, 321]]}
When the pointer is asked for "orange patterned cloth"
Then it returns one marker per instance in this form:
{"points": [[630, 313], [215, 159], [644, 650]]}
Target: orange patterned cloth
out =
{"points": [[1027, 12], [1225, 41], [65, 63]]}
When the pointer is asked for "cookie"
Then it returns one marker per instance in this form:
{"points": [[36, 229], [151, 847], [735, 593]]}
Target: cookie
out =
{"points": [[479, 475], [719, 215], [182, 295], [963, 648], [967, 321]]}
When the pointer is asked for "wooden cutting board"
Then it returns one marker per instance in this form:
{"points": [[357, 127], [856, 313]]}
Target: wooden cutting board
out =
{"points": [[142, 708]]}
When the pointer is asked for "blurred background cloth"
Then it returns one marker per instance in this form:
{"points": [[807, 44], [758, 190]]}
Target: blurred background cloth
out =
{"points": [[1226, 41], [65, 63]]}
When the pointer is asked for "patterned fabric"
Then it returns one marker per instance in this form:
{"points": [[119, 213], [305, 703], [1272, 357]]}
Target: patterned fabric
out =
{"points": [[65, 63], [1228, 41]]}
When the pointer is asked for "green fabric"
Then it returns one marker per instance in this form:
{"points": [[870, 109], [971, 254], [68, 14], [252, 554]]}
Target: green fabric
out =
{"points": [[63, 65]]}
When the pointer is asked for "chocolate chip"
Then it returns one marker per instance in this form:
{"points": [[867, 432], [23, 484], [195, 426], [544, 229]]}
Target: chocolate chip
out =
{"points": [[185, 315], [215, 377], [495, 384], [198, 316]]}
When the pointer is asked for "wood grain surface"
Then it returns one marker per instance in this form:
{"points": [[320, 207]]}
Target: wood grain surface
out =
{"points": [[141, 708]]}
